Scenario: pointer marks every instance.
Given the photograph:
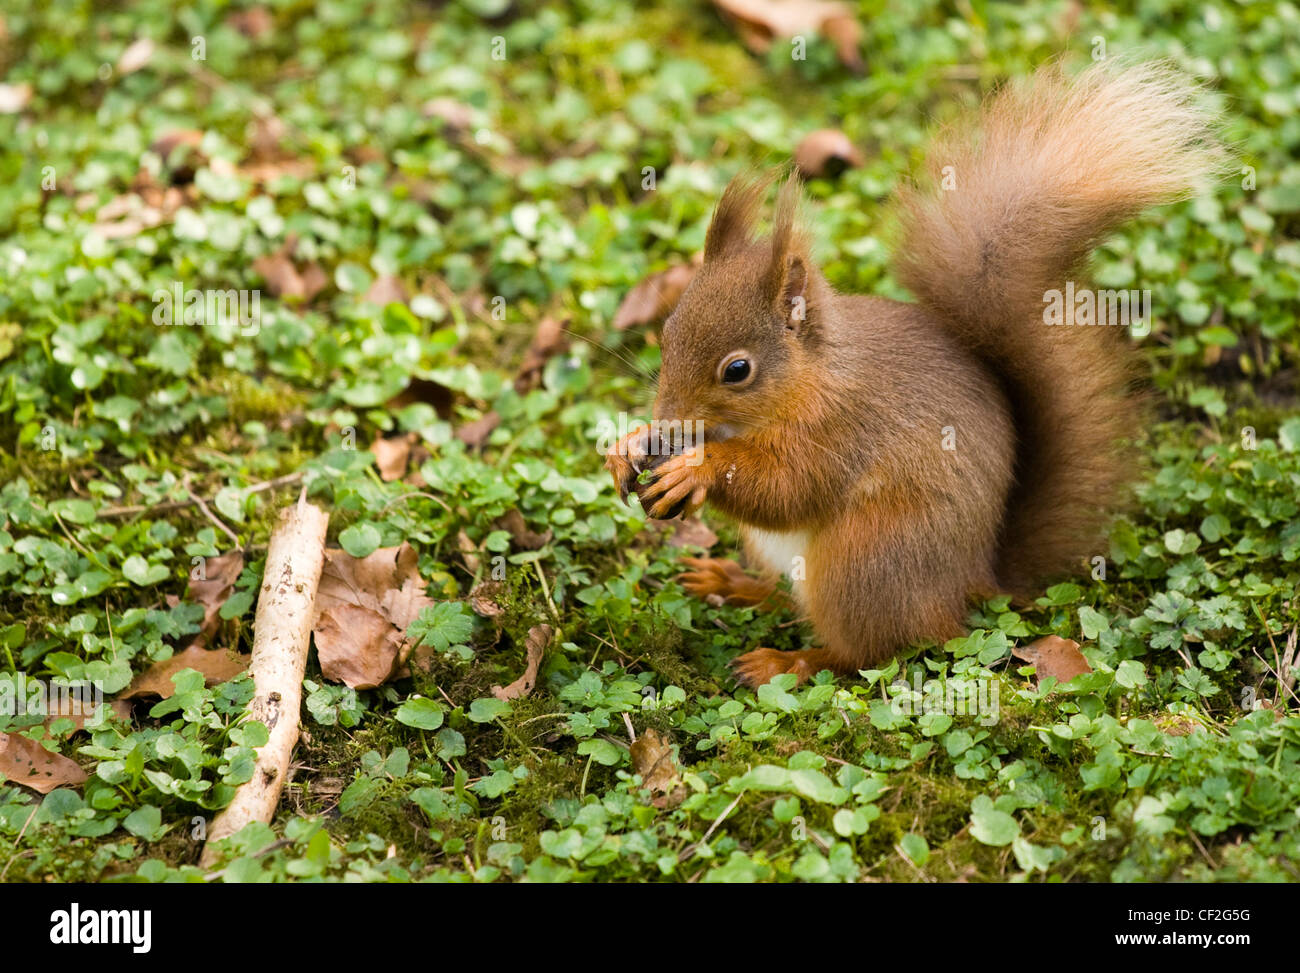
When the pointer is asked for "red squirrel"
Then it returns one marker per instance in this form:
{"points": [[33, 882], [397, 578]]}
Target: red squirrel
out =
{"points": [[898, 460]]}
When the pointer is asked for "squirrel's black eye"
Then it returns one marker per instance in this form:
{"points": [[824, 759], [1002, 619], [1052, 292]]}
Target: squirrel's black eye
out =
{"points": [[736, 371]]}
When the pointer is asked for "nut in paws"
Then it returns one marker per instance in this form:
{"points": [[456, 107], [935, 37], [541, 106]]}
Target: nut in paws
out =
{"points": [[678, 486]]}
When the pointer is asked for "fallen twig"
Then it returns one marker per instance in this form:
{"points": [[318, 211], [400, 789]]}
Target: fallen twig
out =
{"points": [[207, 512], [281, 635]]}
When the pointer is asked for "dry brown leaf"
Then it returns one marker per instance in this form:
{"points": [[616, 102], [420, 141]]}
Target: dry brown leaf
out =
{"points": [[363, 608], [127, 216], [211, 590], [179, 150], [267, 159], [468, 552], [692, 533], [539, 637], [168, 142], [548, 341], [121, 708], [252, 23], [760, 22], [652, 758], [845, 34], [357, 646], [14, 97], [826, 152], [392, 456], [486, 597], [1053, 657], [137, 55], [528, 540], [654, 298], [314, 280], [475, 434], [456, 115], [268, 132], [285, 279], [365, 154], [26, 762], [387, 289], [217, 666], [264, 172]]}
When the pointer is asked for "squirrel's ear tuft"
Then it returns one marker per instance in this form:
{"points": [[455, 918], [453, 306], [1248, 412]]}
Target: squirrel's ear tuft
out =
{"points": [[732, 226], [788, 273]]}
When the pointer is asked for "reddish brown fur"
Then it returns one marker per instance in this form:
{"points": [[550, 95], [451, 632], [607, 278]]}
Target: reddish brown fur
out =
{"points": [[719, 580], [837, 442]]}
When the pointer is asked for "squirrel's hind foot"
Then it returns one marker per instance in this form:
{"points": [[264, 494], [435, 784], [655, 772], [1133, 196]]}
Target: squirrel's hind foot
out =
{"points": [[755, 668]]}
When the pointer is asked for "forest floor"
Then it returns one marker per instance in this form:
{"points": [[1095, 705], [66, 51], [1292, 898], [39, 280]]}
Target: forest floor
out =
{"points": [[441, 209]]}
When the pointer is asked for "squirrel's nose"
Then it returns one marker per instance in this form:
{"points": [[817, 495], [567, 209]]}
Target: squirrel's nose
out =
{"points": [[667, 409]]}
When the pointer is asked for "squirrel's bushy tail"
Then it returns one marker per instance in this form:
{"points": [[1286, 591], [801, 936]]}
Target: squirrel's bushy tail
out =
{"points": [[1010, 210]]}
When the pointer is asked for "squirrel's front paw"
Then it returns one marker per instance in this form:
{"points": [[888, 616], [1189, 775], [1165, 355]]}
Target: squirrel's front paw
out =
{"points": [[678, 486], [627, 459]]}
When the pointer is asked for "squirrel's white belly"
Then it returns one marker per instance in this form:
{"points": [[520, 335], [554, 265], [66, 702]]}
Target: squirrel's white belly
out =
{"points": [[782, 552]]}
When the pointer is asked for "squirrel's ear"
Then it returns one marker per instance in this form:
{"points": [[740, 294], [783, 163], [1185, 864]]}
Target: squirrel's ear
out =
{"points": [[793, 293], [732, 226], [788, 273]]}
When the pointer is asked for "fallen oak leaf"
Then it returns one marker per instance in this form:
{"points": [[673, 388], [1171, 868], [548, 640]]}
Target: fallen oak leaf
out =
{"points": [[25, 761], [392, 456], [761, 22], [485, 599], [469, 552], [127, 216], [363, 609], [179, 150], [513, 522], [172, 139], [284, 279], [1053, 657], [356, 646], [136, 56], [216, 665], [386, 289], [549, 340], [261, 173], [81, 715], [455, 115], [845, 34], [475, 434], [654, 298], [652, 758], [14, 97], [539, 637], [211, 583], [252, 23], [264, 143]]}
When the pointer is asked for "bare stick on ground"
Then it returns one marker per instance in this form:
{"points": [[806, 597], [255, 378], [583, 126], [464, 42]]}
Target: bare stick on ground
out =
{"points": [[281, 633]]}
